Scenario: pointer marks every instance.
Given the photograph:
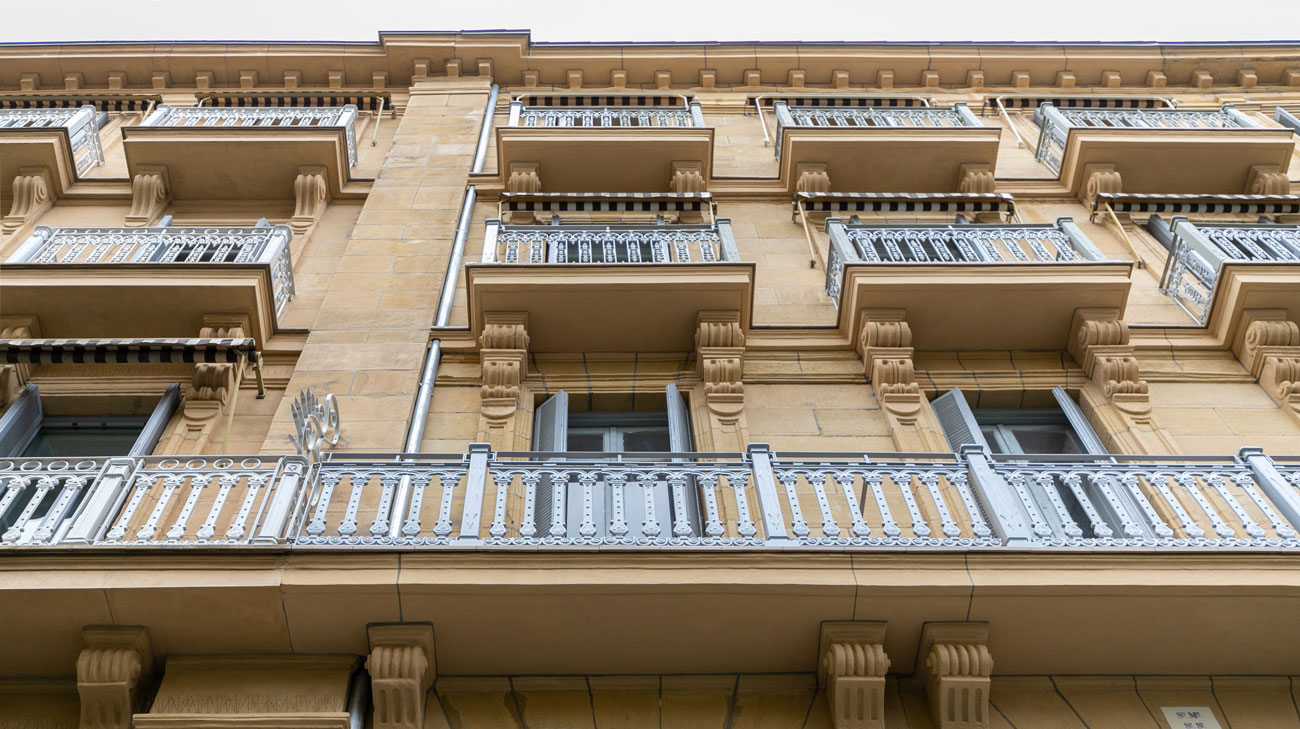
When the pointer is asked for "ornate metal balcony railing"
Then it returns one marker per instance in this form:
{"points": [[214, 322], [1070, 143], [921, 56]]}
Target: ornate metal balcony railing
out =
{"points": [[535, 244], [1199, 251], [81, 123], [1059, 242], [264, 244], [253, 116], [957, 115], [1055, 123], [605, 116], [754, 500]]}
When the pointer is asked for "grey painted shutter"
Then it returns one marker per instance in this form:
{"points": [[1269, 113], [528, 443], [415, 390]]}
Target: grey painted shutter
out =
{"points": [[1087, 436], [958, 422], [157, 423], [21, 422], [550, 433], [679, 422]]}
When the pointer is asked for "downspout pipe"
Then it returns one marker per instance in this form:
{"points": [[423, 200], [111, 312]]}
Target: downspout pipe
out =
{"points": [[433, 355]]}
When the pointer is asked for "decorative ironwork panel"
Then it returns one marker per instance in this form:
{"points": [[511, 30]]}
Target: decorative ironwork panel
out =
{"points": [[876, 117], [608, 116], [1192, 269], [255, 116], [574, 244], [83, 130], [962, 244], [38, 495], [1055, 124]]}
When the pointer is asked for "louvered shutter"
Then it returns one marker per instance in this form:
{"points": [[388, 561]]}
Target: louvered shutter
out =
{"points": [[958, 422], [1092, 444], [550, 433], [679, 440], [157, 423], [21, 422]]}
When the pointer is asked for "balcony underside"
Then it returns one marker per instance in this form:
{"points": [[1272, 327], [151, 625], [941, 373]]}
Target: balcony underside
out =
{"points": [[610, 308], [36, 147], [888, 159], [655, 613], [1245, 286], [602, 160], [114, 301], [1176, 161], [238, 163], [984, 306]]}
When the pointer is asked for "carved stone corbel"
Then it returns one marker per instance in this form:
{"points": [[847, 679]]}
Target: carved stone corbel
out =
{"points": [[1099, 178], [720, 359], [14, 377], [1115, 394], [974, 178], [524, 177], [32, 197], [402, 667], [209, 391], [1267, 180], [150, 191], [310, 193], [114, 664], [687, 177], [812, 177], [1271, 351], [503, 356], [956, 674], [885, 345], [852, 672]]}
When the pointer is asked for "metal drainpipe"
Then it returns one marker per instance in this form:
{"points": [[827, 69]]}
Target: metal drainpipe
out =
{"points": [[433, 355]]}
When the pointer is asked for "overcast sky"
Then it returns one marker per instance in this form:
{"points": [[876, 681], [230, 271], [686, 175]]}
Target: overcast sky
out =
{"points": [[647, 20]]}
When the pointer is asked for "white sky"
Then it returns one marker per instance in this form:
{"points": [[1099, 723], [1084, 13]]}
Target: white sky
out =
{"points": [[647, 20]]}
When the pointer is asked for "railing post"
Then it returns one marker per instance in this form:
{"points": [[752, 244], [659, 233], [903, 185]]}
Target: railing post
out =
{"points": [[100, 501], [783, 119], [1286, 118], [490, 241], [159, 114], [1241, 119], [1196, 240], [967, 116], [1006, 514], [32, 246], [769, 499], [288, 487], [1273, 484], [471, 516], [697, 113], [729, 253], [1082, 245], [516, 111]]}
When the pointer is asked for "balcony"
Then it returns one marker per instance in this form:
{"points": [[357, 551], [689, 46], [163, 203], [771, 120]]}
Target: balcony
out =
{"points": [[753, 500], [882, 149], [1032, 275], [609, 287], [126, 282], [633, 143], [1160, 150], [214, 153], [1232, 267], [65, 141]]}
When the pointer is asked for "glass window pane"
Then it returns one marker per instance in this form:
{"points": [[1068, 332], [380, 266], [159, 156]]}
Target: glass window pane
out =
{"points": [[587, 440], [991, 435], [81, 442], [646, 439], [1046, 439]]}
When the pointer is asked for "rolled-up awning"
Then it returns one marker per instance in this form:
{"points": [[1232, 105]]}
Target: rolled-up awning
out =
{"points": [[365, 99], [911, 202], [1198, 204], [840, 100], [1074, 101], [126, 351], [606, 202], [101, 101]]}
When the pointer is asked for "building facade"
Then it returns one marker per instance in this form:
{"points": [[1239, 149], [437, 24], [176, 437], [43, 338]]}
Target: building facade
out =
{"points": [[461, 381]]}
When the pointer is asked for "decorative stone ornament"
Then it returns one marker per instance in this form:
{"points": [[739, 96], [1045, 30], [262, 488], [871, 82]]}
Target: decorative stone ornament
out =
{"points": [[956, 674], [114, 664], [885, 345], [150, 191], [852, 671], [1271, 352], [31, 198], [402, 668], [310, 193]]}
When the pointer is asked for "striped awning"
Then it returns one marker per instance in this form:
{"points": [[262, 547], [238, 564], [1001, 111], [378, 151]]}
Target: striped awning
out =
{"points": [[124, 351], [1075, 101], [1199, 204], [101, 102], [587, 100], [606, 202], [365, 99], [825, 101], [914, 202]]}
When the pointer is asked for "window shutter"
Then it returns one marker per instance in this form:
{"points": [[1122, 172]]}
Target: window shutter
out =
{"points": [[958, 422], [679, 422], [551, 424], [21, 422], [157, 423], [1087, 436]]}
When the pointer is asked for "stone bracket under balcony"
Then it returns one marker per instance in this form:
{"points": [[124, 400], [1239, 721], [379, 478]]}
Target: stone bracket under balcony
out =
{"points": [[148, 282], [1019, 285], [244, 153], [592, 149], [885, 150], [64, 142], [1160, 150]]}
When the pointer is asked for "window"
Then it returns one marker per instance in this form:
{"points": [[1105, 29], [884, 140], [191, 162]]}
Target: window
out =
{"points": [[561, 507], [1062, 430]]}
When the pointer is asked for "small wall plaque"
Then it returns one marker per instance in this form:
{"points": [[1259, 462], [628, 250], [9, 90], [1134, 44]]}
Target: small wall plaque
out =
{"points": [[1190, 717]]}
